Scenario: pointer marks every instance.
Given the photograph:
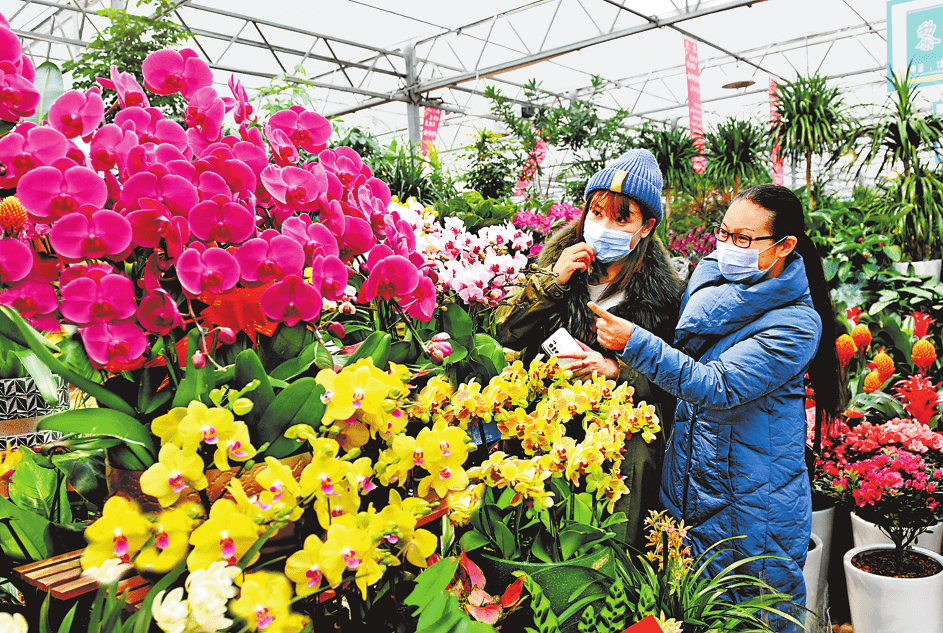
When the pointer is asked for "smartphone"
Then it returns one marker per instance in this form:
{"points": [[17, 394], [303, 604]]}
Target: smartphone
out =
{"points": [[561, 342]]}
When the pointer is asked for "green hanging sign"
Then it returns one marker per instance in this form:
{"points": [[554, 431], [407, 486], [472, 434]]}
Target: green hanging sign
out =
{"points": [[915, 40]]}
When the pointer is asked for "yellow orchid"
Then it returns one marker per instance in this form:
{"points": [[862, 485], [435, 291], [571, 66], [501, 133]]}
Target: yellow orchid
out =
{"points": [[350, 548], [236, 446], [225, 536], [170, 542], [280, 489], [8, 461], [175, 469], [120, 533], [353, 389], [463, 503], [432, 398], [444, 451], [167, 426], [205, 425], [398, 526], [264, 603], [304, 567]]}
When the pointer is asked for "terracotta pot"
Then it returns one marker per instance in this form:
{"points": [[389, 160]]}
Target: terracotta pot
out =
{"points": [[880, 604]]}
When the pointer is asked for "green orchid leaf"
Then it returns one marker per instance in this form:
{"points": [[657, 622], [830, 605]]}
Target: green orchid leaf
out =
{"points": [[42, 377], [197, 382], [35, 485], [24, 536], [109, 423], [288, 408], [431, 582], [248, 368], [49, 84], [472, 540], [297, 365], [458, 324]]}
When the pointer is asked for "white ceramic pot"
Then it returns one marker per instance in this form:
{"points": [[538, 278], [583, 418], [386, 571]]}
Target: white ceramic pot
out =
{"points": [[812, 573], [893, 605], [867, 533], [926, 268], [822, 522]]}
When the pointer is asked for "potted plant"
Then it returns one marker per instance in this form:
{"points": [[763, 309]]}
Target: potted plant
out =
{"points": [[544, 504]]}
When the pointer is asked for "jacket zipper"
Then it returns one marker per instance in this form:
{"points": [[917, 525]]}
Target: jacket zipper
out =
{"points": [[687, 466]]}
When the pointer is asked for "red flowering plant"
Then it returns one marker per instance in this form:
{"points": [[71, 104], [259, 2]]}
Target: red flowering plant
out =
{"points": [[198, 262]]}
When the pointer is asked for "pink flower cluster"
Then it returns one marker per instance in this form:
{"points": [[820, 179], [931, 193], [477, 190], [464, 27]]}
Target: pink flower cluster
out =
{"points": [[543, 223], [693, 245], [153, 208], [481, 267], [893, 474], [18, 95]]}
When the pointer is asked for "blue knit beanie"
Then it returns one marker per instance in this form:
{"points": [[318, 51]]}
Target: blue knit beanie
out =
{"points": [[634, 174]]}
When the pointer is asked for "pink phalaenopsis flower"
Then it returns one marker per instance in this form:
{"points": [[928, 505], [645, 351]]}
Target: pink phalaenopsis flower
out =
{"points": [[49, 194], [293, 187], [305, 129], [420, 303], [153, 223], [88, 300], [36, 302], [205, 113], [109, 143], [391, 277], [291, 300], [167, 71], [27, 148], [269, 257], [158, 313], [315, 238], [214, 271], [243, 111], [101, 234], [77, 113], [18, 95], [130, 93], [176, 192], [330, 273], [223, 221], [114, 345], [151, 127], [344, 163], [16, 261]]}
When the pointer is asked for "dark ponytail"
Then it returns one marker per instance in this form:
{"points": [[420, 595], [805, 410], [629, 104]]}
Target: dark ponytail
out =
{"points": [[787, 218]]}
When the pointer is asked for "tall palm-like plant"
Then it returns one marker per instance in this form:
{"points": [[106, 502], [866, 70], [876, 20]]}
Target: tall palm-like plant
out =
{"points": [[813, 120], [673, 150], [736, 151]]}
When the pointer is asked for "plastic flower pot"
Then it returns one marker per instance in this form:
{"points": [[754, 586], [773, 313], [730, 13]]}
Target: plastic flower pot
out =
{"points": [[925, 268], [867, 533], [559, 581], [881, 604]]}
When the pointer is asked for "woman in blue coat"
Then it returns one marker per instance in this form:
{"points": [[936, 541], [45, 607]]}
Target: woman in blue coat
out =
{"points": [[751, 326]]}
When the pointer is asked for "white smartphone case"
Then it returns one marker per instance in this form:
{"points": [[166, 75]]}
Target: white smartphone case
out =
{"points": [[561, 342]]}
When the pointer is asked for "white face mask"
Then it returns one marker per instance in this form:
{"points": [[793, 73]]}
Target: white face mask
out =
{"points": [[609, 244], [742, 265]]}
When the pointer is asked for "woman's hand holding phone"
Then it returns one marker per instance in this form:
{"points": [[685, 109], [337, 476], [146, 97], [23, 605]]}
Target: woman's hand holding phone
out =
{"points": [[588, 360], [578, 257]]}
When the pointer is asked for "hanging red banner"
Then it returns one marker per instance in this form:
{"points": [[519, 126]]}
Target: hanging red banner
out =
{"points": [[431, 117], [695, 122], [775, 158]]}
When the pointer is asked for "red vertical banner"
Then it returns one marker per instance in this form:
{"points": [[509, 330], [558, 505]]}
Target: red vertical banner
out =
{"points": [[775, 159], [431, 117], [696, 124]]}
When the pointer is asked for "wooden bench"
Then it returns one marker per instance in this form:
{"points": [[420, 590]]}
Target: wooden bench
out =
{"points": [[61, 576]]}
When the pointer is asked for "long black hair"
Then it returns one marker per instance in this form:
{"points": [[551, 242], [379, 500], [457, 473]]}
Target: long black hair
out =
{"points": [[788, 218]]}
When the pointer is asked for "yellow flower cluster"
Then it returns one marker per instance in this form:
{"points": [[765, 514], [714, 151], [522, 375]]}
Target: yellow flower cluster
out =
{"points": [[678, 555]]}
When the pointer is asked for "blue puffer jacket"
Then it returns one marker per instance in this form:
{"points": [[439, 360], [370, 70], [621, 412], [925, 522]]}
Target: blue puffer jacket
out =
{"points": [[735, 464]]}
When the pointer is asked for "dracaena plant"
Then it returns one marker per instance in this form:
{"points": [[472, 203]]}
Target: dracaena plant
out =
{"points": [[549, 495], [188, 258]]}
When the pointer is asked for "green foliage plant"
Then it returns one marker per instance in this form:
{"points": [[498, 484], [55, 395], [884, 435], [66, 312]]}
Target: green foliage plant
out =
{"points": [[493, 168], [124, 43], [812, 119], [411, 175], [673, 149], [737, 152]]}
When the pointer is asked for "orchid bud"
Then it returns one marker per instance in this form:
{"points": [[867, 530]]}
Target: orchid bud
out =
{"points": [[242, 406], [436, 356], [199, 360], [226, 335], [441, 336], [337, 329], [444, 347]]}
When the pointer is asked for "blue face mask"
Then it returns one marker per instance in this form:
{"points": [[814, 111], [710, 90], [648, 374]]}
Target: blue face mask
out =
{"points": [[741, 265], [609, 245]]}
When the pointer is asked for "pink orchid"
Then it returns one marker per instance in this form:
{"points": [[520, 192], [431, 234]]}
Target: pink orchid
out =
{"points": [[283, 150], [291, 300], [212, 185], [214, 271], [151, 127], [16, 261], [162, 158], [154, 222], [78, 271], [109, 298], [36, 302], [314, 238], [167, 71], [114, 345], [332, 276], [10, 49], [269, 257], [76, 113], [108, 143], [243, 107], [305, 129], [28, 147], [235, 170], [223, 221], [176, 192], [420, 303], [158, 313], [205, 112], [130, 93], [48, 194], [344, 163], [18, 95], [358, 238], [393, 276], [296, 188], [101, 234], [373, 199]]}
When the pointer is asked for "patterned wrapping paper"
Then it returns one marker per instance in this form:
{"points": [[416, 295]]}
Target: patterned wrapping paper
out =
{"points": [[21, 400]]}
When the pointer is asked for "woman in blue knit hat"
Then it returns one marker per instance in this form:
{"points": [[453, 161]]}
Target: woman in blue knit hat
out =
{"points": [[756, 317], [609, 255]]}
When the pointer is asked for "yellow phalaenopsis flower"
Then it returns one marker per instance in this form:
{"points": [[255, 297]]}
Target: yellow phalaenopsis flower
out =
{"points": [[304, 567], [175, 470], [349, 548], [171, 535], [463, 503], [355, 388], [225, 536], [280, 489], [264, 603], [120, 533], [8, 461]]}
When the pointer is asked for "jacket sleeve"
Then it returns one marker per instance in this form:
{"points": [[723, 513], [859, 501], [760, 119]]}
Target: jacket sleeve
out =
{"points": [[527, 307], [746, 371]]}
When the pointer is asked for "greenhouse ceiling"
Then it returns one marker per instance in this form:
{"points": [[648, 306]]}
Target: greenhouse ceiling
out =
{"points": [[368, 60]]}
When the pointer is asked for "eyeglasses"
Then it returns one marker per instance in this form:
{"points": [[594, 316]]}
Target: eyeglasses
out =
{"points": [[739, 239]]}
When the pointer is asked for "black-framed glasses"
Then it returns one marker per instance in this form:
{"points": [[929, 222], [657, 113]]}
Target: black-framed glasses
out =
{"points": [[739, 239]]}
